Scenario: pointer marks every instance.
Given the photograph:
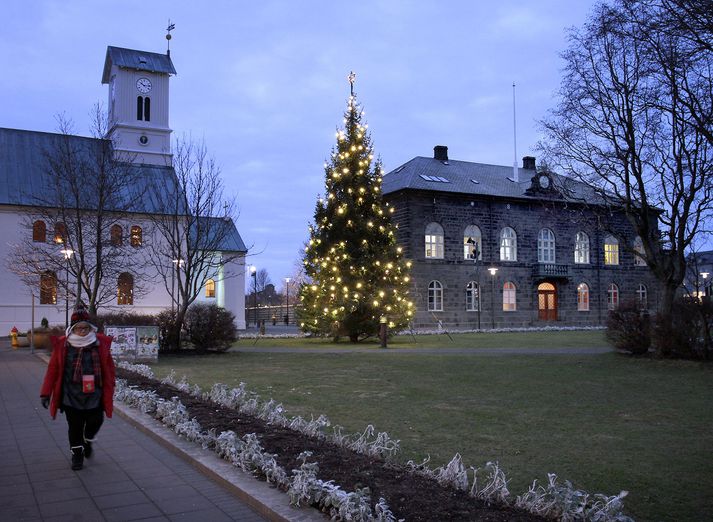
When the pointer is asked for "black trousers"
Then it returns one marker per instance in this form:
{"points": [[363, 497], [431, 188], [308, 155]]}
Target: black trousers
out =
{"points": [[83, 424]]}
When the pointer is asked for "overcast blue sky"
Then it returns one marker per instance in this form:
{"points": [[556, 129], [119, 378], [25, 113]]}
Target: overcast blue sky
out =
{"points": [[264, 83]]}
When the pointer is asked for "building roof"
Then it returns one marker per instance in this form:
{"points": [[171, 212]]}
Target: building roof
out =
{"points": [[25, 175], [137, 60], [230, 240], [465, 177]]}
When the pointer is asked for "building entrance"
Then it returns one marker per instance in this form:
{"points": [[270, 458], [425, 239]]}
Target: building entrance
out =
{"points": [[547, 302]]}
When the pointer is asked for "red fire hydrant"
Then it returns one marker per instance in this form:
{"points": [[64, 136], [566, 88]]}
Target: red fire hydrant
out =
{"points": [[13, 337]]}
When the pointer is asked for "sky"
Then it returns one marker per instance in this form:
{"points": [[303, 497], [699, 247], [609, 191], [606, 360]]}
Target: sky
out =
{"points": [[264, 84]]}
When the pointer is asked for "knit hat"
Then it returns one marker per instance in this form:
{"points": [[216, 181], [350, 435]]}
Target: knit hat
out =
{"points": [[80, 315]]}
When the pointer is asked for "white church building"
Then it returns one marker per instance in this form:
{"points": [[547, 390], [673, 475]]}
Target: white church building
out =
{"points": [[138, 124]]}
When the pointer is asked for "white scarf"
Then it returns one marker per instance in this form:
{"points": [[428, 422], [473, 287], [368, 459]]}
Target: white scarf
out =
{"points": [[79, 341]]}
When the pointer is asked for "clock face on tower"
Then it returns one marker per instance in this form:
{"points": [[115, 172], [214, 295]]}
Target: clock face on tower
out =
{"points": [[544, 181], [143, 85]]}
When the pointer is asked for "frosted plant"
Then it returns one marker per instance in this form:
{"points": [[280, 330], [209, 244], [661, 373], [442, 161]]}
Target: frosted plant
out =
{"points": [[356, 506], [196, 391], [250, 407], [382, 445], [382, 513], [228, 446], [273, 413], [141, 369], [421, 468], [170, 379], [171, 412], [183, 385], [191, 430], [303, 482], [495, 488], [315, 427], [453, 474], [338, 438]]}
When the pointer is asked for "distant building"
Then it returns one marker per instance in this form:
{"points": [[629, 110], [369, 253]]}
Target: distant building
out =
{"points": [[494, 246], [139, 128], [699, 277]]}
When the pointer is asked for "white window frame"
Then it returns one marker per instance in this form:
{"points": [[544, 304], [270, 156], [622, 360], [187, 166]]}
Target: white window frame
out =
{"points": [[472, 297], [642, 297], [435, 296], [472, 232], [583, 297], [508, 244], [611, 251], [434, 241], [546, 249], [639, 252], [509, 297], [612, 296], [581, 248]]}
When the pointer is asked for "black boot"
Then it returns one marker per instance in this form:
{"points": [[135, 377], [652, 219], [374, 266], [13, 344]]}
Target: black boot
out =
{"points": [[77, 457], [88, 448]]}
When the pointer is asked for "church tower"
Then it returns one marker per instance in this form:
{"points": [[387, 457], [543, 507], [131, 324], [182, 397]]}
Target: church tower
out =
{"points": [[138, 103]]}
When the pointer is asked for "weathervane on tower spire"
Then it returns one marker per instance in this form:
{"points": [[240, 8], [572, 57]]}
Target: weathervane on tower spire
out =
{"points": [[351, 78], [170, 28]]}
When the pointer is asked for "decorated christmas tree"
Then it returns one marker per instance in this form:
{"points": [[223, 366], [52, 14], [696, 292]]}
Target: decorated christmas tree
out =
{"points": [[357, 276]]}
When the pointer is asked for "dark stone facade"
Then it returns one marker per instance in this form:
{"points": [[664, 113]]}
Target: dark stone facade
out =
{"points": [[416, 208]]}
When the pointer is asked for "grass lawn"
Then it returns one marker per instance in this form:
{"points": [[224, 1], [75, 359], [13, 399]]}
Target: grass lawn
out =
{"points": [[545, 339], [605, 422]]}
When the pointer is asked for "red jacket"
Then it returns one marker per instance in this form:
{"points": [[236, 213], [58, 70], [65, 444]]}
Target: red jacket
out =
{"points": [[52, 385]]}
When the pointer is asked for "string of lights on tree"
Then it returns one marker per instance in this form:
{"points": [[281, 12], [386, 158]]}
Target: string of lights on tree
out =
{"points": [[357, 274]]}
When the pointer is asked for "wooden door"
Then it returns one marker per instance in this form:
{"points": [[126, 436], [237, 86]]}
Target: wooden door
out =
{"points": [[547, 302]]}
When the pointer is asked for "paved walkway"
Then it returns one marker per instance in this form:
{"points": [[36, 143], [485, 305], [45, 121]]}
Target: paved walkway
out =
{"points": [[129, 477]]}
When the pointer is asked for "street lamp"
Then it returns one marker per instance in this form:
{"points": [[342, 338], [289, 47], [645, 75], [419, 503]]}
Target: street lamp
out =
{"points": [[253, 273], [493, 270], [287, 290], [705, 275], [67, 253]]}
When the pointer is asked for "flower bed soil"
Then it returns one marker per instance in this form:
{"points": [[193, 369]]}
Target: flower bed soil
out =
{"points": [[409, 495]]}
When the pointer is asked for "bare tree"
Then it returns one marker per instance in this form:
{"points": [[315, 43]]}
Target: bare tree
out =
{"points": [[194, 233], [88, 188], [633, 123]]}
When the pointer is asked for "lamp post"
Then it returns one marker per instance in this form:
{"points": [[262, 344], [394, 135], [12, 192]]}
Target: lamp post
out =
{"points": [[287, 299], [178, 263], [253, 273], [705, 275], [67, 253], [493, 270], [476, 291]]}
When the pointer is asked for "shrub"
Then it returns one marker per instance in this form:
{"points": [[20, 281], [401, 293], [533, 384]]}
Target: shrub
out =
{"points": [[168, 333], [210, 327], [686, 334], [123, 319], [629, 328]]}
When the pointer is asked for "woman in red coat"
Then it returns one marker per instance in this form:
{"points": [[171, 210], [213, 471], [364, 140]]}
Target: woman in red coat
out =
{"points": [[80, 382]]}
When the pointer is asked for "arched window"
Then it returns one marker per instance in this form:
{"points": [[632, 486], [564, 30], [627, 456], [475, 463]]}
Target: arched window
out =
{"points": [[210, 288], [136, 236], [434, 241], [508, 245], [39, 231], [435, 296], [139, 108], [60, 232], [48, 288], [583, 297], [642, 297], [472, 243], [639, 253], [125, 289], [612, 296], [611, 250], [509, 297], [117, 235], [546, 246], [581, 248], [472, 297], [147, 109]]}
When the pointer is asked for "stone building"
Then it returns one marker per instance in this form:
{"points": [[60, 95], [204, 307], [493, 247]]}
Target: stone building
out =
{"points": [[495, 246]]}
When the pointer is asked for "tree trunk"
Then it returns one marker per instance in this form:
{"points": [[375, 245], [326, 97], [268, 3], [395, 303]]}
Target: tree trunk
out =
{"points": [[664, 319]]}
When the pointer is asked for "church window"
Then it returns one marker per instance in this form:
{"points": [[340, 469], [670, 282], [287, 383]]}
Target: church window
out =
{"points": [[434, 241], [39, 231], [509, 297], [642, 295], [147, 109], [48, 287], [139, 108], [581, 248], [472, 243], [136, 236], [612, 296], [472, 297], [583, 297], [546, 246], [116, 234], [435, 296], [611, 250], [60, 232], [125, 289], [210, 288], [639, 254], [508, 245]]}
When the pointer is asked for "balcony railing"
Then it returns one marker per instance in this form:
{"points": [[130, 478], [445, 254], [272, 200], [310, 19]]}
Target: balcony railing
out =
{"points": [[550, 270]]}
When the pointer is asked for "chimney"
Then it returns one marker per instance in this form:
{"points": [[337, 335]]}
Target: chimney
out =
{"points": [[440, 152], [528, 162]]}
